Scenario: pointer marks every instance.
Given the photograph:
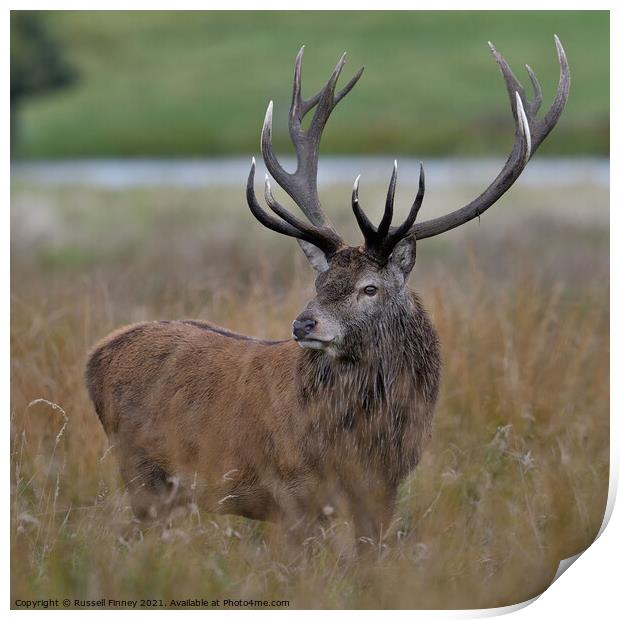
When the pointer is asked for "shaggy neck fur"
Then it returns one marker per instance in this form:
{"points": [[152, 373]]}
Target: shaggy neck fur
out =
{"points": [[375, 359], [372, 408]]}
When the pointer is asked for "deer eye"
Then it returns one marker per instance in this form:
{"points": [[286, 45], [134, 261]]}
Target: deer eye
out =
{"points": [[371, 291]]}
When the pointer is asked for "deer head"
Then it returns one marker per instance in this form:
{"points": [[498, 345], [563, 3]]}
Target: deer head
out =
{"points": [[357, 287]]}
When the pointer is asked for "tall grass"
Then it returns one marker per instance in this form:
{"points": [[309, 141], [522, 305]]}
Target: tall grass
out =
{"points": [[514, 479]]}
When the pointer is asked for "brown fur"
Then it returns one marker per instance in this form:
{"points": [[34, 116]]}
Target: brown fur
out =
{"points": [[268, 430]]}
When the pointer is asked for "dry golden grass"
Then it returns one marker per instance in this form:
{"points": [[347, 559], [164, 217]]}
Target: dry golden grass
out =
{"points": [[514, 479]]}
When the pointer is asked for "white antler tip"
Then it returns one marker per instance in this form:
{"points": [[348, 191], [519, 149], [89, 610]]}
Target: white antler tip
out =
{"points": [[356, 183], [269, 111], [523, 123], [266, 132], [395, 165], [520, 110], [253, 161]]}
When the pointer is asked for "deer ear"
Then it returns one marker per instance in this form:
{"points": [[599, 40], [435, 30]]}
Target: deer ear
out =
{"points": [[403, 255], [315, 255]]}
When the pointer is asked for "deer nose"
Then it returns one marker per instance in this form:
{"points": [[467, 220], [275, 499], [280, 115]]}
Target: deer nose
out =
{"points": [[302, 327]]}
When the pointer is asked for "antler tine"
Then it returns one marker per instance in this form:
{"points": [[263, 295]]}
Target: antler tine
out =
{"points": [[539, 128], [381, 241], [326, 101], [401, 232], [386, 220], [524, 136], [537, 101], [299, 106], [348, 86], [278, 209], [366, 226], [302, 107], [272, 163], [301, 185], [296, 112], [544, 127], [325, 239], [529, 134], [512, 83], [260, 214]]}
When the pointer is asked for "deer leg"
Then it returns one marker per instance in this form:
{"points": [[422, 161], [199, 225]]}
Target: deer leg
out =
{"points": [[301, 508], [372, 509], [155, 495]]}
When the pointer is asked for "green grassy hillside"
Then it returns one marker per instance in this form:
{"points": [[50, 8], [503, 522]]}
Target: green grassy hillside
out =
{"points": [[197, 83]]}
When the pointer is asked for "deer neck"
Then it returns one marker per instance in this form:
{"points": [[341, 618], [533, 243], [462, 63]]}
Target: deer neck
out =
{"points": [[372, 369]]}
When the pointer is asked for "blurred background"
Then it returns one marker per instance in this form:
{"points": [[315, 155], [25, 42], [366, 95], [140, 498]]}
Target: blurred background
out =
{"points": [[166, 84], [132, 134]]}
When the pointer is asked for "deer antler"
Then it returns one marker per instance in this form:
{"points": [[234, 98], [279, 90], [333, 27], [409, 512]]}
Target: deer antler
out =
{"points": [[529, 134], [381, 241], [301, 185], [324, 237]]}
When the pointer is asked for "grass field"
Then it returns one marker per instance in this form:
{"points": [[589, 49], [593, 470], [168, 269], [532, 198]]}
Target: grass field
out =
{"points": [[183, 83], [514, 479]]}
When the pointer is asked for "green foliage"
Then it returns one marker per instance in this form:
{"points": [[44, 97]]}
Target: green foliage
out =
{"points": [[37, 64], [197, 83]]}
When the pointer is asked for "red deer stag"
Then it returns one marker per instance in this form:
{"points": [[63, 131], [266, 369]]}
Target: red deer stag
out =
{"points": [[330, 421]]}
